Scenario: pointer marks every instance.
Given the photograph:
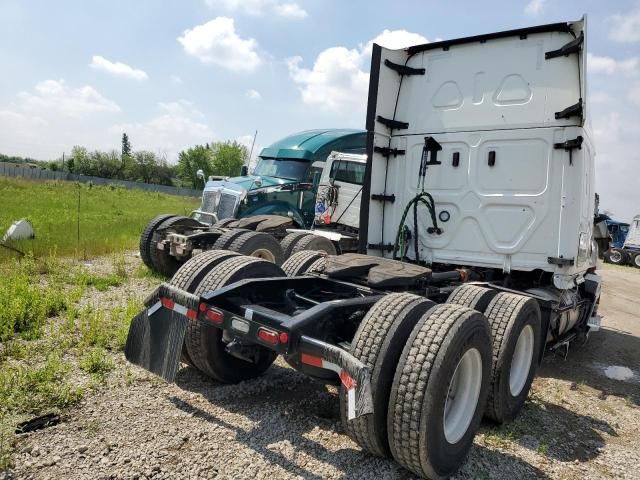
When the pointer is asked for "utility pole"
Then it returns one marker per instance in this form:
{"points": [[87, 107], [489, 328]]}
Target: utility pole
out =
{"points": [[62, 169], [252, 145]]}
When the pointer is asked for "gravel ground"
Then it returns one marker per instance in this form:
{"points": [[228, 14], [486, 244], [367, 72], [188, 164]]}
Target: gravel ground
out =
{"points": [[581, 421]]}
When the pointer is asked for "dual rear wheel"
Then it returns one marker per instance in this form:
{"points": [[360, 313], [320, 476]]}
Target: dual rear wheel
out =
{"points": [[205, 347], [436, 370]]}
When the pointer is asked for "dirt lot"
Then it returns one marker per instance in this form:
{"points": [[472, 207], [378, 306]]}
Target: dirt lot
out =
{"points": [[582, 419]]}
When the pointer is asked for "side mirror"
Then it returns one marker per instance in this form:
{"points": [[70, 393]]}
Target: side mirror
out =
{"points": [[200, 174], [316, 179], [244, 171]]}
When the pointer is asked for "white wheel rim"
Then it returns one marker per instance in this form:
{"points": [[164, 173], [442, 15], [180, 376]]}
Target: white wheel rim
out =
{"points": [[615, 257], [264, 254], [462, 396], [521, 361], [637, 260]]}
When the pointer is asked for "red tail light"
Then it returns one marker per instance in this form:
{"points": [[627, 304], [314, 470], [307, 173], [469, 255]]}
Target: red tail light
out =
{"points": [[284, 337], [268, 336], [215, 316]]}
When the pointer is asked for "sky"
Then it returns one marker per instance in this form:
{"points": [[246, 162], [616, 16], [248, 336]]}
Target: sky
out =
{"points": [[173, 74]]}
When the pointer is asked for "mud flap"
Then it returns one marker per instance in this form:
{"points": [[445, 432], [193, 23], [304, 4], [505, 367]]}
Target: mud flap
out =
{"points": [[353, 374], [156, 335]]}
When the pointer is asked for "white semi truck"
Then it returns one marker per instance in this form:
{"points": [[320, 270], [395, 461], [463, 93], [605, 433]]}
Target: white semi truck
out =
{"points": [[476, 254]]}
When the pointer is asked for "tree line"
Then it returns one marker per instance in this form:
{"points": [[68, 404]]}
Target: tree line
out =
{"points": [[224, 159]]}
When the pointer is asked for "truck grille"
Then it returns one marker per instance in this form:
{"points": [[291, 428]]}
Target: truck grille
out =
{"points": [[227, 206], [208, 202]]}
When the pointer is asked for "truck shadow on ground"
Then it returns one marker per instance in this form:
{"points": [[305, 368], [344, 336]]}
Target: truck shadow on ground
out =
{"points": [[286, 406], [587, 364], [552, 431]]}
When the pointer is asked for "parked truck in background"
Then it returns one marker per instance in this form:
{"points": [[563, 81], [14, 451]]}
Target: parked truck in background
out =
{"points": [[625, 243], [476, 255], [273, 211]]}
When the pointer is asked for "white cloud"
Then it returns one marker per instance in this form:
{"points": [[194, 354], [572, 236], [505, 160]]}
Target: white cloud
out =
{"points": [[625, 28], [253, 94], [395, 39], [634, 94], [534, 7], [117, 68], [217, 42], [51, 118], [55, 96], [338, 80], [176, 80], [182, 108], [610, 66], [261, 7], [179, 125], [290, 10]]}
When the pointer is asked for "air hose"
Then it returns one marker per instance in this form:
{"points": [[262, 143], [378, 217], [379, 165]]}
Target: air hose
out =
{"points": [[426, 199], [429, 158]]}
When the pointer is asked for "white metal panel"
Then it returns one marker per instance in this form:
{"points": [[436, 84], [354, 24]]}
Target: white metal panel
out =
{"points": [[633, 237], [347, 209], [501, 96], [531, 205], [502, 83]]}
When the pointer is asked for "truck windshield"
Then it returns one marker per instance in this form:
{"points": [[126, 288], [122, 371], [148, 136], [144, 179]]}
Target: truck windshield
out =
{"points": [[282, 168]]}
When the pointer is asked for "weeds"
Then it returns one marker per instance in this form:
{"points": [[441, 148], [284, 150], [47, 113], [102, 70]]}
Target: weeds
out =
{"points": [[97, 363], [498, 438], [34, 389], [542, 449], [101, 283], [107, 329], [6, 445], [25, 304]]}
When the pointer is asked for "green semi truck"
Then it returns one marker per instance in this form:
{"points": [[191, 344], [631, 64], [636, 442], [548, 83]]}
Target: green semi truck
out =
{"points": [[282, 206]]}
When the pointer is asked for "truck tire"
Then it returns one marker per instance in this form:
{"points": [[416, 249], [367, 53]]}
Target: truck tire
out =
{"points": [[306, 261], [472, 296], [162, 261], [189, 276], [314, 242], [191, 273], [204, 342], [225, 222], [259, 245], [617, 256], [516, 338], [288, 242], [439, 390], [147, 236], [223, 242], [378, 343], [635, 260]]}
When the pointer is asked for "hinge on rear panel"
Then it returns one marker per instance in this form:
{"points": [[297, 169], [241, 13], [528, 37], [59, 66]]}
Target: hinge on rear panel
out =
{"points": [[572, 111], [572, 47], [561, 261], [379, 246], [392, 124], [387, 152], [569, 146], [381, 197], [403, 69]]}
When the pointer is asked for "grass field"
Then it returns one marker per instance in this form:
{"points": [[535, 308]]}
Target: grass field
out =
{"points": [[110, 218]]}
